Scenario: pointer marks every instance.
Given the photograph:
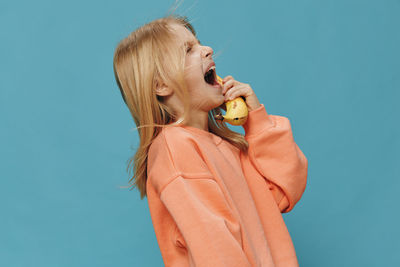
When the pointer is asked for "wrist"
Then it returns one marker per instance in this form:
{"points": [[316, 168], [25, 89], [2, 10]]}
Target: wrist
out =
{"points": [[252, 105]]}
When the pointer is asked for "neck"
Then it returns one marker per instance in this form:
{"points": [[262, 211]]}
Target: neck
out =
{"points": [[198, 120]]}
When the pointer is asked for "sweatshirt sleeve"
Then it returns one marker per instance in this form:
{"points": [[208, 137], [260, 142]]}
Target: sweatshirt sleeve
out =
{"points": [[276, 156], [211, 234]]}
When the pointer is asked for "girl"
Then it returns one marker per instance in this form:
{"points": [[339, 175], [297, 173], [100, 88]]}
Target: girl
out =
{"points": [[215, 196]]}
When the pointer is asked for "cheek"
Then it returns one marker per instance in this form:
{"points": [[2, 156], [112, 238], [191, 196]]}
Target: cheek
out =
{"points": [[193, 66], [194, 74], [192, 81]]}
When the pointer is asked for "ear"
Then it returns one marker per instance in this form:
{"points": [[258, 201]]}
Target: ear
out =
{"points": [[163, 90]]}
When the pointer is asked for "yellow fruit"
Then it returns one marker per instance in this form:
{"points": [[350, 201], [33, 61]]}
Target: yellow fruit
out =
{"points": [[236, 110], [219, 80]]}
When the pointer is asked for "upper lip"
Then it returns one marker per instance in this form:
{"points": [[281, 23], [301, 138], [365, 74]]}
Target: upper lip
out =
{"points": [[209, 66]]}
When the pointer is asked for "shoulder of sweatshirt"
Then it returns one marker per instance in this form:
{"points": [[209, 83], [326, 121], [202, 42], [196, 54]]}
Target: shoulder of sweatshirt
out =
{"points": [[174, 153], [259, 121]]}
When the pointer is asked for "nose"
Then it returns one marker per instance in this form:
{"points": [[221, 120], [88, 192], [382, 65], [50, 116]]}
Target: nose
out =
{"points": [[207, 51]]}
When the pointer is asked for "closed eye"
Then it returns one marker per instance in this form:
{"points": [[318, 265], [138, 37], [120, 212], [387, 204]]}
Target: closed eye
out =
{"points": [[189, 44]]}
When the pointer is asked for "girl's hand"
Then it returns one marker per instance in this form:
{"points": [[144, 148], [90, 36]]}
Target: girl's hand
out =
{"points": [[232, 89]]}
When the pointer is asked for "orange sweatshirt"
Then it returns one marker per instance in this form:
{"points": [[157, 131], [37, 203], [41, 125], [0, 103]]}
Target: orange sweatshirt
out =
{"points": [[213, 205]]}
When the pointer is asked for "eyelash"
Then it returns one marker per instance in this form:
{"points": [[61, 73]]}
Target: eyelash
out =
{"points": [[188, 49]]}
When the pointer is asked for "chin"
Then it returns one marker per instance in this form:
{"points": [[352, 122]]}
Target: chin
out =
{"points": [[220, 104]]}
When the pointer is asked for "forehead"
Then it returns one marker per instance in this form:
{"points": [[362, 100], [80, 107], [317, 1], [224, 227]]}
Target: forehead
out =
{"points": [[184, 35]]}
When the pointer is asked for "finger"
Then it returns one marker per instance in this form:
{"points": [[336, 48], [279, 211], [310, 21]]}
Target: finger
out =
{"points": [[227, 85], [236, 91], [227, 78]]}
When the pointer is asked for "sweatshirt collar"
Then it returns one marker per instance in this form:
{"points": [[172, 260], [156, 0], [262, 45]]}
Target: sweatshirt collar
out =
{"points": [[200, 132]]}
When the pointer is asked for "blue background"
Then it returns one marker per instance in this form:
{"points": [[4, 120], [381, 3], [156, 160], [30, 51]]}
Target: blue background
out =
{"points": [[331, 67]]}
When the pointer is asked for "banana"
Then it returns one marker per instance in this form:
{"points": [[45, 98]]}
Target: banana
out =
{"points": [[236, 110]]}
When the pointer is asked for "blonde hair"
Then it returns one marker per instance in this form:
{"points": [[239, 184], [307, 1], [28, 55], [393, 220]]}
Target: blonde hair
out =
{"points": [[146, 58]]}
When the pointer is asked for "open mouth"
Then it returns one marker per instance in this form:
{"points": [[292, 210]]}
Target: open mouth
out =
{"points": [[211, 77]]}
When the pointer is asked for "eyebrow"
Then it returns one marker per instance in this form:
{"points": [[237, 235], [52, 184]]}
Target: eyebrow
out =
{"points": [[191, 42]]}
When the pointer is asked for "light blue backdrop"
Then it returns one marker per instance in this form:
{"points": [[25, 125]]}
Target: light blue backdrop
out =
{"points": [[332, 67]]}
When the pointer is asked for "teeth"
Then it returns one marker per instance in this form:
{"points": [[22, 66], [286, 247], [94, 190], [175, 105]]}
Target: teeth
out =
{"points": [[212, 68]]}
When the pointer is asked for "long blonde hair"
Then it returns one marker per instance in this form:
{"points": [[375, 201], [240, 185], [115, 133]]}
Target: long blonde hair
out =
{"points": [[146, 58]]}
